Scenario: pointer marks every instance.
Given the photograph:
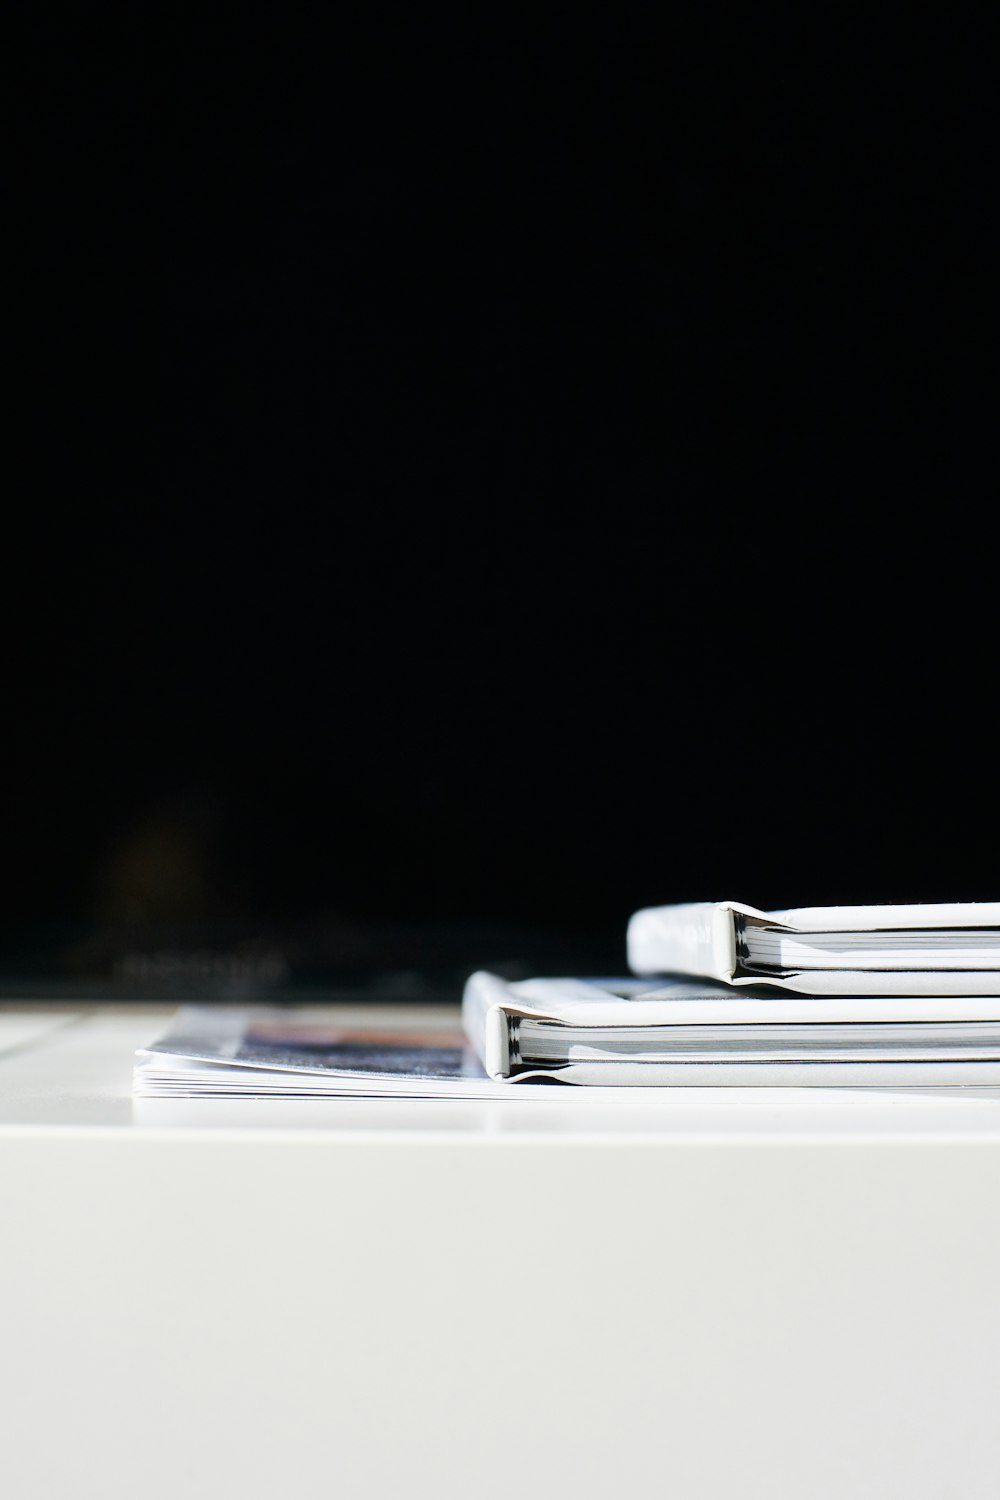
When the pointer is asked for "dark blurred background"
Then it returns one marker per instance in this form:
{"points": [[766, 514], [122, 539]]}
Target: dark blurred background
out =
{"points": [[465, 481]]}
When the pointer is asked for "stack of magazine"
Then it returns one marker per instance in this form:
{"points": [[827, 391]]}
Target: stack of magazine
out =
{"points": [[720, 995]]}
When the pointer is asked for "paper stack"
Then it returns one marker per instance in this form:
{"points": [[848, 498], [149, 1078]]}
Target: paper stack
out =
{"points": [[857, 997]]}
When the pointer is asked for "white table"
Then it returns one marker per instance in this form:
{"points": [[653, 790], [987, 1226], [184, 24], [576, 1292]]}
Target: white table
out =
{"points": [[721, 1293]]}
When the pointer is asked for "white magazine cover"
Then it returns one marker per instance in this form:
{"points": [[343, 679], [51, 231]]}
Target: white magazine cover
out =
{"points": [[699, 1034], [933, 949]]}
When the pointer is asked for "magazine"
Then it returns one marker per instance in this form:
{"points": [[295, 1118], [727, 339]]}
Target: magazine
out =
{"points": [[679, 1033], [216, 1051]]}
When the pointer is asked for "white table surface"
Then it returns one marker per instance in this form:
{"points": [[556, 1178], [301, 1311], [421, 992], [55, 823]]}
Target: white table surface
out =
{"points": [[729, 1292]]}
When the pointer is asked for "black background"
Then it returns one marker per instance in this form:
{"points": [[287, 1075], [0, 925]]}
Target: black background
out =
{"points": [[466, 482]]}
